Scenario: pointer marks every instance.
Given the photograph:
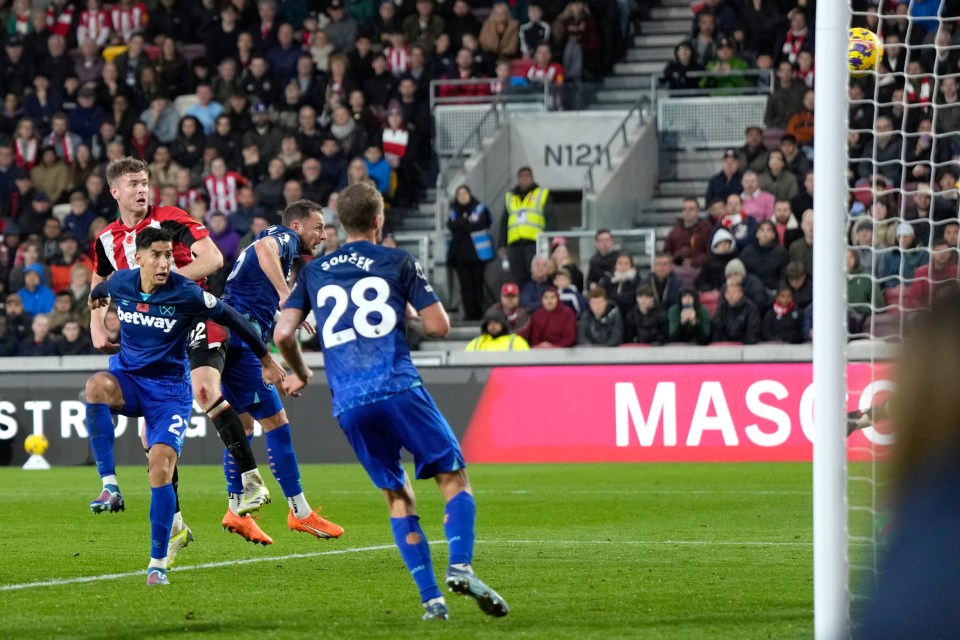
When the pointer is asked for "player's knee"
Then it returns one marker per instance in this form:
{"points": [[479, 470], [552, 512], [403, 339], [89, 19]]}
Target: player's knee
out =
{"points": [[205, 390], [101, 388]]}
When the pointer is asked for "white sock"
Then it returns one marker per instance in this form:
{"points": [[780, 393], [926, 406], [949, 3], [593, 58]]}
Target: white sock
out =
{"points": [[299, 505], [253, 474], [157, 564], [233, 502], [434, 601], [462, 566], [177, 525], [110, 479]]}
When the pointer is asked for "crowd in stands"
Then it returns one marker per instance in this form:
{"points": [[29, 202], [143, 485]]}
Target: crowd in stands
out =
{"points": [[239, 107]]}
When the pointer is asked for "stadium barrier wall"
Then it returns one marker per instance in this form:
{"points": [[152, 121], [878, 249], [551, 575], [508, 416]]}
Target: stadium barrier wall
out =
{"points": [[602, 405]]}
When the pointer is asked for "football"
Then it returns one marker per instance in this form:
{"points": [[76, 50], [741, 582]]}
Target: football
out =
{"points": [[864, 53], [36, 444]]}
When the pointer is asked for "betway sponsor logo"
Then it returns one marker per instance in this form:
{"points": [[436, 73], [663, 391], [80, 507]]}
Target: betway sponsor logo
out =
{"points": [[135, 317]]}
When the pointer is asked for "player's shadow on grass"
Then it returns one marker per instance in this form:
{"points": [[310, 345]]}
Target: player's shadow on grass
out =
{"points": [[173, 629]]}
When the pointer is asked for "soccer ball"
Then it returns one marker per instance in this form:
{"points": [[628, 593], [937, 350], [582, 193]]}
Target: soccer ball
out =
{"points": [[864, 53], [36, 444]]}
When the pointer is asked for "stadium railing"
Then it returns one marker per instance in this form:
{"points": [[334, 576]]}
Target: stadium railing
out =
{"points": [[639, 243]]}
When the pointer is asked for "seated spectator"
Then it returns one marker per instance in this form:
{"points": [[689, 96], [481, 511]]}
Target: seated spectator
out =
{"points": [[602, 324], [269, 192], [500, 33], [8, 341], [757, 204], [621, 285], [899, 266], [925, 211], [689, 239], [727, 63], [688, 321], [864, 295], [18, 320], [424, 27], [206, 109], [664, 282], [37, 297], [800, 125], [752, 287], [68, 255], [73, 340], [784, 322], [51, 175], [777, 179], [646, 322], [786, 224], [737, 318], [797, 162], [742, 227], [752, 156], [786, 98], [62, 311], [560, 255], [765, 258], [495, 334], [553, 325], [933, 277], [532, 291], [713, 272], [727, 181], [465, 71], [674, 75], [39, 342], [518, 317], [569, 294], [801, 249], [187, 147], [604, 259], [544, 70], [377, 168], [799, 281]]}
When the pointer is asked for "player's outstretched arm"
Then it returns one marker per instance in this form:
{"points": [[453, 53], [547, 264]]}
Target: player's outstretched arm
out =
{"points": [[208, 259], [98, 306], [431, 321], [268, 255], [285, 337], [273, 372]]}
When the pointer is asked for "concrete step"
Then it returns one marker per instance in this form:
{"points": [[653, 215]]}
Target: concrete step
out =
{"points": [[618, 95], [678, 12], [611, 106], [666, 203], [418, 223], [445, 345], [640, 83], [428, 208], [638, 69], [650, 54], [658, 40], [681, 28], [693, 169], [466, 331], [686, 155], [681, 187]]}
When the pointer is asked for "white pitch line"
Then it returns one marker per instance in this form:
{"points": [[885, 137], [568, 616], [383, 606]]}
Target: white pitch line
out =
{"points": [[294, 556]]}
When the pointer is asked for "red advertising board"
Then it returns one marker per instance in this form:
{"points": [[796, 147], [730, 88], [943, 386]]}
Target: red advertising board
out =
{"points": [[661, 413]]}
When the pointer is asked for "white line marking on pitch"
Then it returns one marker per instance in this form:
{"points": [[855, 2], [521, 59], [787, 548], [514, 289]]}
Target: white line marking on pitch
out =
{"points": [[316, 554]]}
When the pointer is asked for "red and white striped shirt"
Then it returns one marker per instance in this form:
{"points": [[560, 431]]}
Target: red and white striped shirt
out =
{"points": [[187, 198], [94, 25], [117, 243], [60, 24], [25, 152], [398, 60], [128, 20], [67, 152], [395, 142], [551, 74], [223, 191]]}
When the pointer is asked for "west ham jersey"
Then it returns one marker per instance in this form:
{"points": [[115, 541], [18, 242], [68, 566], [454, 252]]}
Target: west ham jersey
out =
{"points": [[153, 329], [359, 295], [248, 289], [117, 243]]}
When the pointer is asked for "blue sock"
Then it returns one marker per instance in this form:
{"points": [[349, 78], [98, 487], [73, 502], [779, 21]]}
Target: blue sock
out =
{"points": [[283, 460], [459, 518], [415, 552], [163, 503], [232, 473], [100, 430]]}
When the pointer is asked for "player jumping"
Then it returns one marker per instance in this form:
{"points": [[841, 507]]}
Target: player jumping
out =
{"points": [[196, 257], [147, 377], [360, 295], [256, 287]]}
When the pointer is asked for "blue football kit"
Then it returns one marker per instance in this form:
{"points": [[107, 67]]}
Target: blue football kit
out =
{"points": [[250, 292], [359, 295]]}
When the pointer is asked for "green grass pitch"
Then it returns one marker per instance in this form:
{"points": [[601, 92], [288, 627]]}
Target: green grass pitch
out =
{"points": [[579, 551]]}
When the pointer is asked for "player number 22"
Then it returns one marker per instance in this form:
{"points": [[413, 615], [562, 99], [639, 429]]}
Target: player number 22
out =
{"points": [[365, 309]]}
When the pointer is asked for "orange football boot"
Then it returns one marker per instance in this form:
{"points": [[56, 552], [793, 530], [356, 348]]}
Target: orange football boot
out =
{"points": [[314, 525], [245, 527]]}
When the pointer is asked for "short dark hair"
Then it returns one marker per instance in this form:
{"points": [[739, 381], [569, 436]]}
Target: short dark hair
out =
{"points": [[123, 166], [600, 232], [153, 234], [525, 169], [358, 206], [299, 210], [692, 199]]}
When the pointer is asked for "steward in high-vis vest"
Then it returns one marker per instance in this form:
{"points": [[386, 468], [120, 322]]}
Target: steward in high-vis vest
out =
{"points": [[526, 214], [495, 334]]}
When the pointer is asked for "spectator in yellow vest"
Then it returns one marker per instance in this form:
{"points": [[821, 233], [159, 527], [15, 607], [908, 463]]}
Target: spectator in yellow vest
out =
{"points": [[526, 214], [495, 334]]}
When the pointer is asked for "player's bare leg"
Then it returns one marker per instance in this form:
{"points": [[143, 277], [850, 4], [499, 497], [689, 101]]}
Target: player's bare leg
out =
{"points": [[284, 466], [206, 392], [103, 394], [458, 523]]}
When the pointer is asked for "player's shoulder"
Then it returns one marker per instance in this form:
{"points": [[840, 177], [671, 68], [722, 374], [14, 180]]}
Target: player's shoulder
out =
{"points": [[168, 213]]}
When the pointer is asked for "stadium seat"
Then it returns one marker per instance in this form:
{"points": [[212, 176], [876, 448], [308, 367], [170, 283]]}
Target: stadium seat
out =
{"points": [[710, 300]]}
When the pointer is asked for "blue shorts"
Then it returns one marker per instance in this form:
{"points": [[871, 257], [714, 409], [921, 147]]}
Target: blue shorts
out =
{"points": [[243, 386], [408, 420], [164, 404]]}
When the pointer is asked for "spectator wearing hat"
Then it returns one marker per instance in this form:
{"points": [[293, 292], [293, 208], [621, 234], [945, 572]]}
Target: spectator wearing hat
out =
{"points": [[646, 322], [560, 255], [801, 249], [35, 214], [553, 325], [8, 341], [727, 180], [689, 321], [601, 325], [16, 70], [518, 317], [786, 98], [674, 75], [736, 273], [712, 274], [36, 295], [264, 135], [689, 239], [726, 62], [86, 118], [495, 334], [798, 279], [899, 266], [18, 320], [471, 247], [736, 318], [342, 28]]}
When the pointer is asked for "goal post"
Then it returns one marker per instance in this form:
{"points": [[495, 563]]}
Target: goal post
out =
{"points": [[830, 563]]}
